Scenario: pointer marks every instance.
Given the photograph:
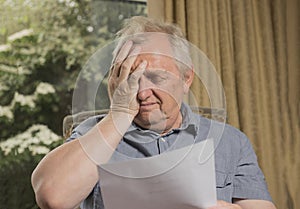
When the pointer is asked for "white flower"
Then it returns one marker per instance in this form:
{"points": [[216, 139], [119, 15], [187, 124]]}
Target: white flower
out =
{"points": [[90, 29], [6, 112], [20, 34], [29, 100], [39, 150], [4, 48], [72, 4], [36, 138], [44, 88], [20, 70], [24, 100]]}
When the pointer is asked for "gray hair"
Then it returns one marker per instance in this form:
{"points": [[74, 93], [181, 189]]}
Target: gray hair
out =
{"points": [[139, 25]]}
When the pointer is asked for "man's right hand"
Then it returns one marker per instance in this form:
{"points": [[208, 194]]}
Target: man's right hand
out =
{"points": [[123, 85]]}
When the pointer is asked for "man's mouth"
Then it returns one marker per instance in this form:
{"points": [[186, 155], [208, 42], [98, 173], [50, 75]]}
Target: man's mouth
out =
{"points": [[147, 106]]}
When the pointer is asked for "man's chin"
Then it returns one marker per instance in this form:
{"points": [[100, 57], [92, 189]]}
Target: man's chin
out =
{"points": [[151, 120]]}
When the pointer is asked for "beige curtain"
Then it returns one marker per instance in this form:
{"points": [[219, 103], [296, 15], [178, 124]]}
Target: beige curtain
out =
{"points": [[255, 47]]}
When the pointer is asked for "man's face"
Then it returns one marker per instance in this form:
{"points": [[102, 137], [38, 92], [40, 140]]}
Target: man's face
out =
{"points": [[161, 89]]}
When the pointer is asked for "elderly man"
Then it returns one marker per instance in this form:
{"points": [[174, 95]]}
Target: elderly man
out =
{"points": [[147, 83]]}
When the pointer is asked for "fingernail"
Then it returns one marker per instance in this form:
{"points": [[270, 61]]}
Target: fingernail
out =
{"points": [[129, 42], [143, 64], [136, 50]]}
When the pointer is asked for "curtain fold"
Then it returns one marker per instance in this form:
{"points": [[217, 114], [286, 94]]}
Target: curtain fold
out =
{"points": [[254, 46]]}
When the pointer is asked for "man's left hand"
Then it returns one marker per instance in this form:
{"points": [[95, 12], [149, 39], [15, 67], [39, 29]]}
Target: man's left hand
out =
{"points": [[225, 205], [244, 204]]}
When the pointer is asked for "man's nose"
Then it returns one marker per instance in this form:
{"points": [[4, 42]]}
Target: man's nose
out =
{"points": [[145, 88]]}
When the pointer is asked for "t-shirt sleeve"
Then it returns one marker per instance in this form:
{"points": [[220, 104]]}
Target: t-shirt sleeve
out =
{"points": [[84, 127], [249, 181]]}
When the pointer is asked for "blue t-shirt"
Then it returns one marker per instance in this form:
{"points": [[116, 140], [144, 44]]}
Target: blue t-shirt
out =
{"points": [[237, 172]]}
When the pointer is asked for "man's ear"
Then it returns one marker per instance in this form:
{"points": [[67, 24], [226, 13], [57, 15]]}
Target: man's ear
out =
{"points": [[188, 80]]}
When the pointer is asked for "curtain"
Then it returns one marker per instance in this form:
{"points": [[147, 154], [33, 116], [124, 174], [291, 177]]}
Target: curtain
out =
{"points": [[254, 46]]}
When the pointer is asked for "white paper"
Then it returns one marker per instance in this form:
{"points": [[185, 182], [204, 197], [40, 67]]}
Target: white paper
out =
{"points": [[179, 179]]}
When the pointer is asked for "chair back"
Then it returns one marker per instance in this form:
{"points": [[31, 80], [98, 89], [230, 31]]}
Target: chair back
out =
{"points": [[71, 121]]}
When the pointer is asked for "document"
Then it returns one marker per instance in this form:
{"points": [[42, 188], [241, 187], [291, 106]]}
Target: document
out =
{"points": [[178, 179]]}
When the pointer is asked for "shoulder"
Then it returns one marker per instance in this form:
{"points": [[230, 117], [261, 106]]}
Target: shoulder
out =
{"points": [[220, 131], [85, 126]]}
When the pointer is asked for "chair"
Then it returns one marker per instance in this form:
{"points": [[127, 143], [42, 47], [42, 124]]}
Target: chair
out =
{"points": [[71, 121]]}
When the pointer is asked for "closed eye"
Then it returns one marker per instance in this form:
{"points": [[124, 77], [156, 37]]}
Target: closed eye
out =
{"points": [[157, 77]]}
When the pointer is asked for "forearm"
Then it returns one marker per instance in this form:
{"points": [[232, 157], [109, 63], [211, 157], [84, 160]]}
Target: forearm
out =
{"points": [[255, 204], [68, 173], [244, 204], [64, 177], [100, 143]]}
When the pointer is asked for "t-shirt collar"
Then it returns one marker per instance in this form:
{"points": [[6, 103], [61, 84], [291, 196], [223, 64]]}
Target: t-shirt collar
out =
{"points": [[189, 122]]}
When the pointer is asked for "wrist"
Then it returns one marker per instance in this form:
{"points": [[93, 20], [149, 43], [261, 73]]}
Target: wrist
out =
{"points": [[120, 120], [122, 113]]}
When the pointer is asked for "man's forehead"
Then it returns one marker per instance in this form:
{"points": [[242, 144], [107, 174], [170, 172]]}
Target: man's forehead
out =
{"points": [[155, 43], [157, 60]]}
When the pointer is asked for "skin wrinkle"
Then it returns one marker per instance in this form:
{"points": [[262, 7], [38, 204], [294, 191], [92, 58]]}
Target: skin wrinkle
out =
{"points": [[167, 95], [164, 94]]}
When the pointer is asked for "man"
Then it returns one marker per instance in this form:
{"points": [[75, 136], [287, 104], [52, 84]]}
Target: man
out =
{"points": [[148, 79]]}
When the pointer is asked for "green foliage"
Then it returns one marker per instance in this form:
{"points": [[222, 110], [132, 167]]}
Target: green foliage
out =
{"points": [[55, 51], [15, 177], [15, 189], [45, 45]]}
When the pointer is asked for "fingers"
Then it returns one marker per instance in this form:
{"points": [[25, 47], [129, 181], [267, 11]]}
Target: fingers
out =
{"points": [[124, 51], [123, 83], [225, 205], [124, 98], [136, 75], [124, 61], [122, 55], [128, 63]]}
